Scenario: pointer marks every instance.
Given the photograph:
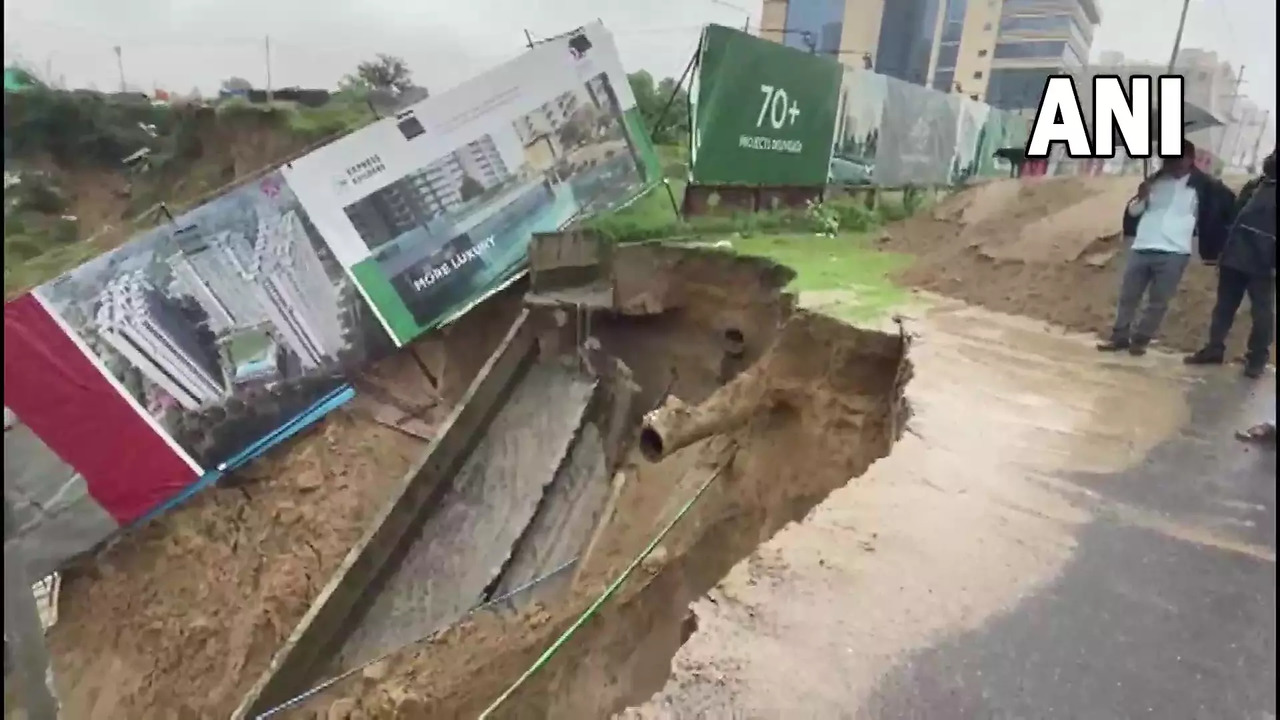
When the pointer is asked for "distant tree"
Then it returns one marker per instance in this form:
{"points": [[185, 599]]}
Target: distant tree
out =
{"points": [[571, 134], [471, 188], [236, 85], [652, 97], [387, 72]]}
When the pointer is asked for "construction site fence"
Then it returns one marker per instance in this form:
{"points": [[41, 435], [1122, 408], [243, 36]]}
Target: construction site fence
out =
{"points": [[204, 341], [768, 119]]}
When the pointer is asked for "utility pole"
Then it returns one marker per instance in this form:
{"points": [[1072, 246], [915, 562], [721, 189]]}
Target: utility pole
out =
{"points": [[1173, 60], [23, 632], [267, 55], [1177, 38], [120, 65]]}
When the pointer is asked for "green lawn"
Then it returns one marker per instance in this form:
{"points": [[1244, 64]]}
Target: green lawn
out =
{"points": [[843, 276]]}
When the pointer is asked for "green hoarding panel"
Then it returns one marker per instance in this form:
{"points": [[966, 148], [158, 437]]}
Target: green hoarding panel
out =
{"points": [[764, 113]]}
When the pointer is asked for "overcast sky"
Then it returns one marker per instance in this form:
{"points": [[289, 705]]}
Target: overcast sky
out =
{"points": [[181, 44]]}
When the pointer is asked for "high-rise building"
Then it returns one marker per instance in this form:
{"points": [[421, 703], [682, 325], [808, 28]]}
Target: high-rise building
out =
{"points": [[423, 195], [984, 49], [1038, 38], [276, 279], [546, 118], [151, 332], [295, 293], [481, 161], [388, 213], [213, 268]]}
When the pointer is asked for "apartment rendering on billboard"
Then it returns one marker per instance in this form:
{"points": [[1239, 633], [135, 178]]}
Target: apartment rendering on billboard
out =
{"points": [[432, 209], [232, 300], [148, 328]]}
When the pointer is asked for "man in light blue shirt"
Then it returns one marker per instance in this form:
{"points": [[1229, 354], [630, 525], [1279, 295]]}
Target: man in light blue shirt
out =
{"points": [[1169, 210]]}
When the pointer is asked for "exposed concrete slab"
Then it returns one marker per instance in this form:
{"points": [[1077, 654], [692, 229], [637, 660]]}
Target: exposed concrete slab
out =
{"points": [[296, 661], [460, 549], [569, 511]]}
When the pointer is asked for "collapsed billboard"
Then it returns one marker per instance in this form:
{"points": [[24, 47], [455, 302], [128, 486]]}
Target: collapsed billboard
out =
{"points": [[183, 347], [432, 208], [201, 342], [763, 113]]}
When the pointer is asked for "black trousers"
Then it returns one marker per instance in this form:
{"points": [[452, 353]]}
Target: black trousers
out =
{"points": [[1233, 285]]}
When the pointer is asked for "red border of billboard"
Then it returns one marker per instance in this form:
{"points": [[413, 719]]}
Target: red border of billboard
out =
{"points": [[67, 400]]}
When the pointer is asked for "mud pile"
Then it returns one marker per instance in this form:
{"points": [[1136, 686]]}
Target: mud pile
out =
{"points": [[1049, 249], [795, 404], [182, 615]]}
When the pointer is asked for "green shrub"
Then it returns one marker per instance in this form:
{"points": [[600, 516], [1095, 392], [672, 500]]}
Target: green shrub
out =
{"points": [[20, 248], [64, 231]]}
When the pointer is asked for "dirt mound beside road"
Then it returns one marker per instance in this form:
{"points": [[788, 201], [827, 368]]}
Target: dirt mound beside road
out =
{"points": [[1049, 249]]}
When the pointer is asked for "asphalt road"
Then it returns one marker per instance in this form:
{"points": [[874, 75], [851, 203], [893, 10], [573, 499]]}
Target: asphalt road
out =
{"points": [[1140, 622]]}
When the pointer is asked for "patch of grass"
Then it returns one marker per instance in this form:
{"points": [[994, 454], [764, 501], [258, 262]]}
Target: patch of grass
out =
{"points": [[674, 160], [844, 275], [21, 274], [847, 274]]}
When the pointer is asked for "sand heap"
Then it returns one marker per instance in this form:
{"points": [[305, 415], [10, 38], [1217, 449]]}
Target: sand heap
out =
{"points": [[1050, 249]]}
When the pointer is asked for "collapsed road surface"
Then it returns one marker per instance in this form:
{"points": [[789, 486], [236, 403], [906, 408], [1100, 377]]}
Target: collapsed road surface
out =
{"points": [[755, 408], [461, 549], [1059, 536]]}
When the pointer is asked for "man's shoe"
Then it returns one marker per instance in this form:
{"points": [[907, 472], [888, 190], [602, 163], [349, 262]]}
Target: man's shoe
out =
{"points": [[1204, 356], [1113, 346], [1138, 349], [1253, 371]]}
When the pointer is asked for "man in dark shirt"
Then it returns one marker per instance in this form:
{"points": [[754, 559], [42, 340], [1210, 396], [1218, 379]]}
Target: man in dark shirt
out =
{"points": [[1247, 266]]}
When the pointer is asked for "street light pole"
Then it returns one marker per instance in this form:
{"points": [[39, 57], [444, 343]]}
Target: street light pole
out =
{"points": [[1173, 60], [1177, 38]]}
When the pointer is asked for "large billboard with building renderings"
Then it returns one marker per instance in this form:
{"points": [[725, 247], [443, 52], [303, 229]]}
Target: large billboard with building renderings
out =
{"points": [[203, 341], [221, 325], [763, 113], [433, 208]]}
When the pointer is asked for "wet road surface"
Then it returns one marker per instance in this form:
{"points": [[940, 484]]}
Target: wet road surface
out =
{"points": [[1063, 535]]}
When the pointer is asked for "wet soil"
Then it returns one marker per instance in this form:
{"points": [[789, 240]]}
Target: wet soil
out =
{"points": [[179, 617], [828, 402], [1050, 250]]}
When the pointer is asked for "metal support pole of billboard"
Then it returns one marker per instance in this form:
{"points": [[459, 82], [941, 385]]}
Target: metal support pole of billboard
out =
{"points": [[1234, 97], [1173, 60], [657, 123], [23, 632], [266, 56], [1257, 149]]}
